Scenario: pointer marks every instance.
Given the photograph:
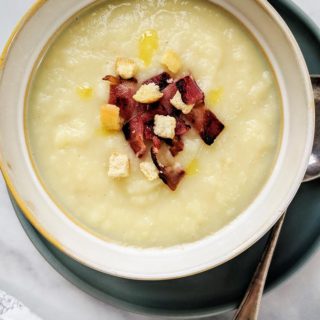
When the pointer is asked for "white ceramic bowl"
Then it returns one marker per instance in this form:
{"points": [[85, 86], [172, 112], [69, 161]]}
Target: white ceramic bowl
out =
{"points": [[267, 26]]}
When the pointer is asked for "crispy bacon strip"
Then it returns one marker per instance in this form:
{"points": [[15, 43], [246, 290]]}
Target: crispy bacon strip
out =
{"points": [[181, 127], [134, 133], [121, 95], [176, 146], [148, 131], [168, 94], [149, 111], [121, 92], [190, 91], [112, 79], [160, 80], [156, 143], [171, 176], [206, 123]]}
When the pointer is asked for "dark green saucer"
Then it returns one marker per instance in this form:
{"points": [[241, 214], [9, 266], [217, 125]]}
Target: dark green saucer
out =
{"points": [[221, 288]]}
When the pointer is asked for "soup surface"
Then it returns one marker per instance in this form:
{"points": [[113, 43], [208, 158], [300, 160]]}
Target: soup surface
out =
{"points": [[71, 149]]}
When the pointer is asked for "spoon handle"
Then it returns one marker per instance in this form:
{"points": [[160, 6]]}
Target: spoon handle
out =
{"points": [[250, 305]]}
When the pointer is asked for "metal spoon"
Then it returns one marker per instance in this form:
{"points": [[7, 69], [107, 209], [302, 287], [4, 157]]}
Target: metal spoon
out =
{"points": [[250, 305]]}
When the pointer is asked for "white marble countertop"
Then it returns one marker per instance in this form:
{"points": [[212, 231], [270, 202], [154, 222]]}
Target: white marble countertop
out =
{"points": [[27, 276]]}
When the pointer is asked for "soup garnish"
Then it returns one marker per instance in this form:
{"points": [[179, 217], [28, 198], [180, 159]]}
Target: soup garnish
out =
{"points": [[157, 112]]}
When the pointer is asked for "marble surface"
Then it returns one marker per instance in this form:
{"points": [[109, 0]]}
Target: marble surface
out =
{"points": [[27, 276]]}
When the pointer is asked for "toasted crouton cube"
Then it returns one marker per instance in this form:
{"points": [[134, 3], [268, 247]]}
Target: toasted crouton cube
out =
{"points": [[178, 103], [110, 117], [118, 165], [126, 68], [149, 170], [148, 93], [164, 126], [172, 61]]}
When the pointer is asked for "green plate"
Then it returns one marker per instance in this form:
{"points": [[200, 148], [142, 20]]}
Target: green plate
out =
{"points": [[221, 288]]}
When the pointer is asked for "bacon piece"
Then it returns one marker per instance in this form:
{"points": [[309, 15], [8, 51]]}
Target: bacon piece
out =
{"points": [[112, 79], [121, 92], [149, 111], [150, 136], [168, 94], [134, 131], [190, 91], [177, 145], [206, 123], [148, 120], [181, 127], [170, 175], [121, 95], [156, 143], [160, 80], [148, 131]]}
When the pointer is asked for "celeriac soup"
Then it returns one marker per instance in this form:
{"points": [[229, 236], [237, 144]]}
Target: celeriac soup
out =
{"points": [[154, 123]]}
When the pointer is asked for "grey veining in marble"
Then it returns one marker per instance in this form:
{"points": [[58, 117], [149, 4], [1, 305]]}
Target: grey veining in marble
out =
{"points": [[27, 276]]}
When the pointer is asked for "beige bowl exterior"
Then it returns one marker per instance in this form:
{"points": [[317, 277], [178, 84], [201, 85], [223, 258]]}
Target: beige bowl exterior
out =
{"points": [[16, 65]]}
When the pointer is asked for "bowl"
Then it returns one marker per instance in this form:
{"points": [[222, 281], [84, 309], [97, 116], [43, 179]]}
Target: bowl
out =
{"points": [[20, 56]]}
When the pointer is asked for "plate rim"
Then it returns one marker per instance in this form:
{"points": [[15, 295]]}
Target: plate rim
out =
{"points": [[39, 243]]}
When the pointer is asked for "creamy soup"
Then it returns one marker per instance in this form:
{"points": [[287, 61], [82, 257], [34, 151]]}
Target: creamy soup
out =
{"points": [[72, 151]]}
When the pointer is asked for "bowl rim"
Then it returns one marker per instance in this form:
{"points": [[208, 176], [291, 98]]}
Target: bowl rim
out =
{"points": [[10, 185], [268, 8]]}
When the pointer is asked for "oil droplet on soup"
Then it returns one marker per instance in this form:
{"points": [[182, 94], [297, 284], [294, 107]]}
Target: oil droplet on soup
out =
{"points": [[84, 91], [214, 96], [193, 168], [148, 45]]}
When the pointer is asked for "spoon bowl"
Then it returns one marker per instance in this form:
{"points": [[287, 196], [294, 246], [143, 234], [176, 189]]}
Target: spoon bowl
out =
{"points": [[313, 170]]}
